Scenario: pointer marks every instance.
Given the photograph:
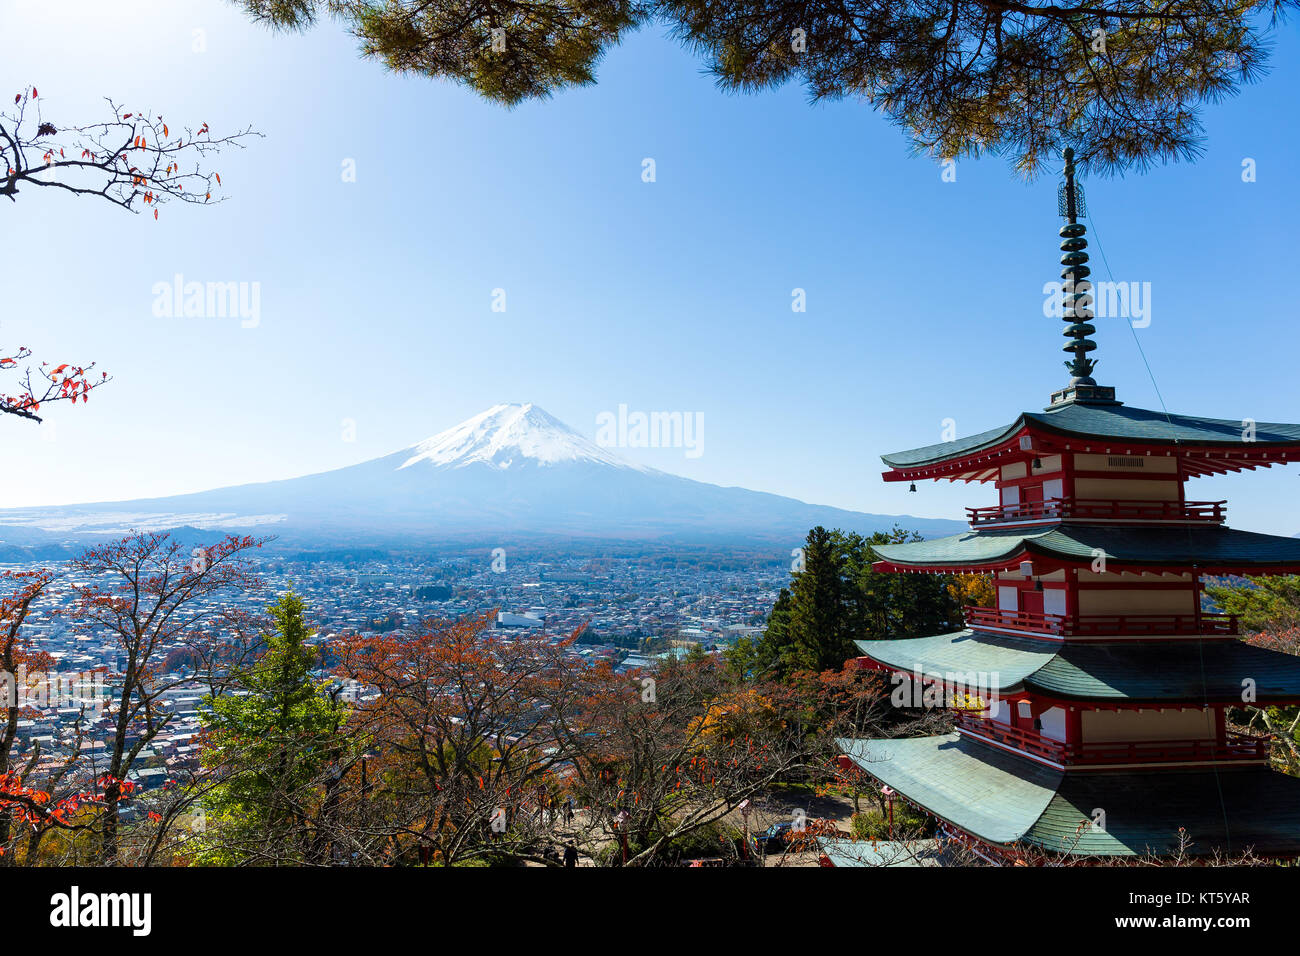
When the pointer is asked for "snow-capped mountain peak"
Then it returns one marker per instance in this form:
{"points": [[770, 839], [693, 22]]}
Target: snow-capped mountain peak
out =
{"points": [[510, 436], [510, 471]]}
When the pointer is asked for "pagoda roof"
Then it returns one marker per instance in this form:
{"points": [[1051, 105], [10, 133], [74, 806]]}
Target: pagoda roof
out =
{"points": [[987, 792], [1131, 671], [1200, 671], [1011, 658], [850, 853], [1216, 549], [1137, 429], [1004, 799]]}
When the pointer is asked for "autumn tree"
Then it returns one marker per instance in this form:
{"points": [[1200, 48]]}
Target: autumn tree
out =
{"points": [[133, 160], [972, 590], [39, 795], [1122, 81], [855, 702], [663, 756], [42, 385], [16, 654], [479, 743], [468, 729], [147, 595]]}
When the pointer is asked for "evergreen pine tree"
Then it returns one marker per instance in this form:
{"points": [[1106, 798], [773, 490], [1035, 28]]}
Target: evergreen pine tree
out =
{"points": [[269, 743], [837, 599]]}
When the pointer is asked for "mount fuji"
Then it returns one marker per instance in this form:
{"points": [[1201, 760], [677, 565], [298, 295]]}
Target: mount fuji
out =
{"points": [[511, 470]]}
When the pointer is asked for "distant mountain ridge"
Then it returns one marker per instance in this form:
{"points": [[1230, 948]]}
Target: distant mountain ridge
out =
{"points": [[512, 469]]}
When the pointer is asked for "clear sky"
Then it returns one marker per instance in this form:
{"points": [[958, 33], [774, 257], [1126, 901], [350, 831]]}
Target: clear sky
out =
{"points": [[924, 297]]}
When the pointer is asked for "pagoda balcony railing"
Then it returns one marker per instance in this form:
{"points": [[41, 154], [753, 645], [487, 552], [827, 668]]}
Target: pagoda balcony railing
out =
{"points": [[1234, 746], [1027, 740], [1097, 509], [1101, 625], [1028, 621]]}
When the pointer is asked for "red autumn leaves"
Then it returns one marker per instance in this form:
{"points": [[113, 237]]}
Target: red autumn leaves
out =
{"points": [[65, 382], [133, 156]]}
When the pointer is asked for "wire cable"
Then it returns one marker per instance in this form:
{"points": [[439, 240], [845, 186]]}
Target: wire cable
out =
{"points": [[1200, 639]]}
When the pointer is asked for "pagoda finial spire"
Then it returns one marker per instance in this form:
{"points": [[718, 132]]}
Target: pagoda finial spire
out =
{"points": [[1077, 288], [1077, 301], [1077, 297]]}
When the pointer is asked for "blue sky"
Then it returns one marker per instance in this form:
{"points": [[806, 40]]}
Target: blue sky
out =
{"points": [[924, 298]]}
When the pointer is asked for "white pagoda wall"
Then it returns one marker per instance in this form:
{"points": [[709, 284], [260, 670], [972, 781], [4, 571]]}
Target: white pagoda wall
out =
{"points": [[1053, 722]]}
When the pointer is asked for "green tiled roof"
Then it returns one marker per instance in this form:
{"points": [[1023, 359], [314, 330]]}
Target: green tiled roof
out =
{"points": [[1168, 670], [1231, 811], [993, 794], [850, 853], [1119, 422], [968, 547], [1205, 547], [1012, 659], [1005, 799], [1156, 671], [952, 449]]}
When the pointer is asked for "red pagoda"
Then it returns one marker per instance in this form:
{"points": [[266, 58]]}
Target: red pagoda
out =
{"points": [[1099, 727]]}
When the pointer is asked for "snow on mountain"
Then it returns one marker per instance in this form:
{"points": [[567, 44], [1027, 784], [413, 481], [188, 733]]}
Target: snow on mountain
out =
{"points": [[511, 436], [511, 470]]}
